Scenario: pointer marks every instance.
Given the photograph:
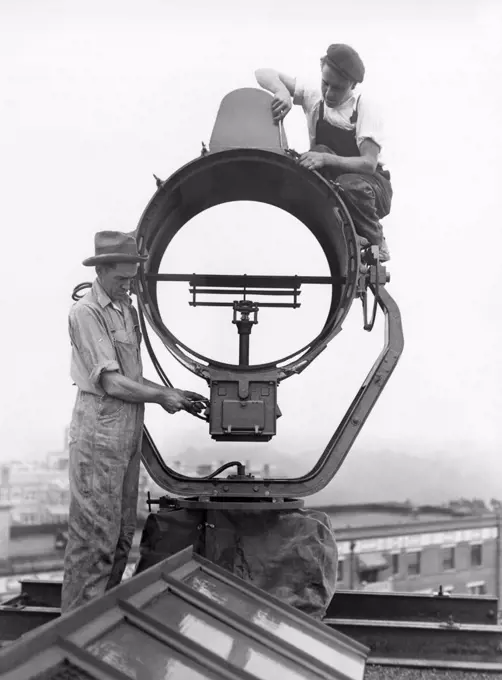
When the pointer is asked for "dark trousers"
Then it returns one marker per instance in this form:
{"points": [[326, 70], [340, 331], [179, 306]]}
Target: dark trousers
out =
{"points": [[368, 198]]}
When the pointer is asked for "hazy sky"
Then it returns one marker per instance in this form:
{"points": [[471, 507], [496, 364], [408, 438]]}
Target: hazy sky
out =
{"points": [[97, 96]]}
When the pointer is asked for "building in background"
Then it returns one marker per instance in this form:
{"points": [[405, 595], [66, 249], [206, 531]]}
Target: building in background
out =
{"points": [[38, 493], [382, 546], [394, 547]]}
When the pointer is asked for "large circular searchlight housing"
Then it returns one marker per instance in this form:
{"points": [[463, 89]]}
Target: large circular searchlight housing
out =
{"points": [[248, 160]]}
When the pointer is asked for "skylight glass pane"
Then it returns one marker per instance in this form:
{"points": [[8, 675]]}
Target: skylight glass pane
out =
{"points": [[341, 660], [221, 639], [140, 656], [279, 625], [266, 668]]}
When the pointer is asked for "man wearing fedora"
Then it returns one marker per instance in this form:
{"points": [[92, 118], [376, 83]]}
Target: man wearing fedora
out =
{"points": [[107, 422], [346, 137]]}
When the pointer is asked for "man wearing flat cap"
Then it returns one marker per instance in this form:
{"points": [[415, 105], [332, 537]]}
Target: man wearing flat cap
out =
{"points": [[107, 422], [346, 137]]}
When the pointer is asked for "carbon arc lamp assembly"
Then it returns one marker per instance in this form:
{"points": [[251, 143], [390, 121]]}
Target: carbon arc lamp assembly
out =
{"points": [[248, 160]]}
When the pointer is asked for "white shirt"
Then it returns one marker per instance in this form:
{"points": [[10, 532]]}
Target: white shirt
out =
{"points": [[369, 124]]}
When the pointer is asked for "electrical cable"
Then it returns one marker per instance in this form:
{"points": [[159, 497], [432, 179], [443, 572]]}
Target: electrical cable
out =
{"points": [[155, 361], [81, 286]]}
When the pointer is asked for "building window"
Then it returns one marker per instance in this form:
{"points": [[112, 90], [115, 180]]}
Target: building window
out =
{"points": [[477, 588], [476, 555], [395, 563], [339, 571], [448, 558], [414, 559], [28, 518], [368, 576]]}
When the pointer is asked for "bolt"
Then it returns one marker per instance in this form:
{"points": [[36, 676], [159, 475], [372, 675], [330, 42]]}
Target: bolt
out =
{"points": [[225, 488], [355, 421], [267, 493], [256, 488]]}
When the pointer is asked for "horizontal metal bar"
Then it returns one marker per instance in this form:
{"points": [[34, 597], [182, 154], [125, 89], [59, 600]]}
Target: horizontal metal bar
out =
{"points": [[376, 666], [230, 304], [240, 280], [34, 563], [41, 593], [428, 641], [351, 604], [390, 642], [38, 564], [347, 604], [242, 291], [17, 622]]}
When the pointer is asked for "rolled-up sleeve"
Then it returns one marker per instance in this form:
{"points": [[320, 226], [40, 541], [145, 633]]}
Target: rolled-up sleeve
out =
{"points": [[369, 123], [306, 97], [91, 341]]}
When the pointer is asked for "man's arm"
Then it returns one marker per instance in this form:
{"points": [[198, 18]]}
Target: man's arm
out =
{"points": [[366, 163], [281, 86], [171, 399], [275, 82], [121, 387], [152, 384]]}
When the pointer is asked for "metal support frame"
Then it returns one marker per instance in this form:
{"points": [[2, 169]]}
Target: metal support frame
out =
{"points": [[335, 452]]}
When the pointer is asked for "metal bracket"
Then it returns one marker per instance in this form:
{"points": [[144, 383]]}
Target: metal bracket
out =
{"points": [[374, 273]]}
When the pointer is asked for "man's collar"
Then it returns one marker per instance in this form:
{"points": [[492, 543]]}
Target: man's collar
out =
{"points": [[102, 296], [350, 101]]}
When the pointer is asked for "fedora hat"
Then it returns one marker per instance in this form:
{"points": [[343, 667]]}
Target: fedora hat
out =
{"points": [[114, 246]]}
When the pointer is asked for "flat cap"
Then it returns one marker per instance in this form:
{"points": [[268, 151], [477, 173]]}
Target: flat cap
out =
{"points": [[345, 59]]}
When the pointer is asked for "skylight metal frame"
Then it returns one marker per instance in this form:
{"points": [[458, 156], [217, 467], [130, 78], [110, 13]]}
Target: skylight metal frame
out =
{"points": [[65, 638]]}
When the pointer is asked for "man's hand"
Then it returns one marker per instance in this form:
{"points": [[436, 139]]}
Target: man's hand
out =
{"points": [[313, 160], [281, 105], [195, 402], [174, 400]]}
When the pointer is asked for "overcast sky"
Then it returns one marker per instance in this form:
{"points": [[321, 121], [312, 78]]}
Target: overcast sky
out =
{"points": [[98, 95]]}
